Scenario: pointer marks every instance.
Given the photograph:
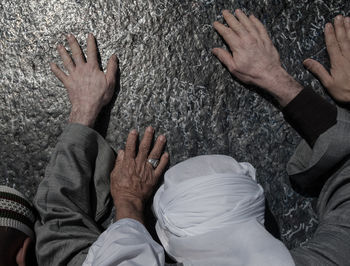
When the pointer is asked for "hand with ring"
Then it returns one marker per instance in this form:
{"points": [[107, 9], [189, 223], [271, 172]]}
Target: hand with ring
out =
{"points": [[135, 174]]}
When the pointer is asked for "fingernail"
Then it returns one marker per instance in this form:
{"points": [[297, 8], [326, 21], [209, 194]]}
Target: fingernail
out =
{"points": [[328, 26], [134, 131], [69, 36], [149, 129], [162, 138], [306, 62], [339, 17], [166, 155], [347, 20]]}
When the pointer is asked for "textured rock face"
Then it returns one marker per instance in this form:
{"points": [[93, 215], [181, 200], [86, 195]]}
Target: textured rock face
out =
{"points": [[169, 79]]}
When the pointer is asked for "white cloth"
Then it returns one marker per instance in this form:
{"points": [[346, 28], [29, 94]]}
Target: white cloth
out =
{"points": [[210, 211], [125, 242]]}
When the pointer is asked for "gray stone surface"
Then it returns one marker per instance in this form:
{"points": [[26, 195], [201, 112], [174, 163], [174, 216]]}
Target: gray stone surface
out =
{"points": [[169, 79]]}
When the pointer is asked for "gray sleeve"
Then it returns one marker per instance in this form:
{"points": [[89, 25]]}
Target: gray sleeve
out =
{"points": [[74, 197], [326, 169], [309, 168]]}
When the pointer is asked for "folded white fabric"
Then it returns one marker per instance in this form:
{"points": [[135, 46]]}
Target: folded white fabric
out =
{"points": [[210, 211]]}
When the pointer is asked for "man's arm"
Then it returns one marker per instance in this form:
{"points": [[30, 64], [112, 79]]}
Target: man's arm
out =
{"points": [[133, 180], [89, 88], [73, 198], [255, 60], [324, 164]]}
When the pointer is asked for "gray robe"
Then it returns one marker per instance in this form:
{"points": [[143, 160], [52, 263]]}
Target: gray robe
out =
{"points": [[73, 198]]}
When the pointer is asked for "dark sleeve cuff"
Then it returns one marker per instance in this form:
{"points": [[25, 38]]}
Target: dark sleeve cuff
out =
{"points": [[310, 115]]}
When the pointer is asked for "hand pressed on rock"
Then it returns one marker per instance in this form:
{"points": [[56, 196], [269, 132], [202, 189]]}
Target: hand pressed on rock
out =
{"points": [[133, 178], [89, 88], [337, 80]]}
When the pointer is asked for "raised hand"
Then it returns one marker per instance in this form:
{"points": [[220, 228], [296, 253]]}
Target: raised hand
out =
{"points": [[253, 58], [134, 178], [89, 88], [337, 81]]}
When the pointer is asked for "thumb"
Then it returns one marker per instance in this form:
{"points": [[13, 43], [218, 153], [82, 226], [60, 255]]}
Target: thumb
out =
{"points": [[112, 68], [319, 71], [225, 57]]}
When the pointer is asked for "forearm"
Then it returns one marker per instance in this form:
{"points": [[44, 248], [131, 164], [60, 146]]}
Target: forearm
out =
{"points": [[125, 242], [306, 111], [84, 117], [310, 115], [282, 86], [73, 194]]}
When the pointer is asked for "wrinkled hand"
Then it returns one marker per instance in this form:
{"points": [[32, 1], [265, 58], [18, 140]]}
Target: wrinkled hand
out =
{"points": [[133, 178], [89, 89], [337, 81], [254, 58]]}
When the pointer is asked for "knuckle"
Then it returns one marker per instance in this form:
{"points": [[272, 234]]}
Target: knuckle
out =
{"points": [[327, 83], [129, 146]]}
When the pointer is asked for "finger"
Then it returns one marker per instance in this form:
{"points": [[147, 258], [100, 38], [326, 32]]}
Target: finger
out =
{"points": [[332, 44], [347, 27], [120, 156], [112, 69], [92, 50], [340, 34], [59, 73], [261, 29], [67, 60], [234, 24], [130, 146], [161, 166], [145, 145], [118, 160], [319, 71], [246, 22], [158, 148], [77, 53], [225, 57], [229, 36]]}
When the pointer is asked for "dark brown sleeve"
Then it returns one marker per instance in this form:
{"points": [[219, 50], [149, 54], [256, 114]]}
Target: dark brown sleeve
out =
{"points": [[310, 115]]}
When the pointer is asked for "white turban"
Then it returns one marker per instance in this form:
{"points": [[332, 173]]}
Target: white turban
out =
{"points": [[210, 211]]}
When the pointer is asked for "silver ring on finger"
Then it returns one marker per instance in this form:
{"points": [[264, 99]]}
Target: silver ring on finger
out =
{"points": [[153, 162]]}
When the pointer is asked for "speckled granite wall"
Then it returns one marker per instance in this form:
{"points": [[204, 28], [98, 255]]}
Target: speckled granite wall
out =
{"points": [[169, 79]]}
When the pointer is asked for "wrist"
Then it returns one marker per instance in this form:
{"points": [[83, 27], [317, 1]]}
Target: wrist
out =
{"points": [[129, 208], [282, 86], [85, 117]]}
